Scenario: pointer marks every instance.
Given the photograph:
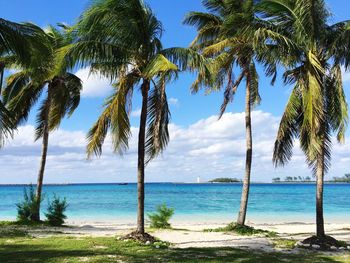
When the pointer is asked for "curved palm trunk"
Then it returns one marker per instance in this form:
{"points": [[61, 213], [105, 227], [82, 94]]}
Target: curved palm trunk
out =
{"points": [[45, 143], [248, 163], [320, 233], [141, 161]]}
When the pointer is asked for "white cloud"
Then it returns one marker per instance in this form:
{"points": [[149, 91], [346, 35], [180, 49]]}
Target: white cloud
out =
{"points": [[208, 148], [173, 101], [93, 84]]}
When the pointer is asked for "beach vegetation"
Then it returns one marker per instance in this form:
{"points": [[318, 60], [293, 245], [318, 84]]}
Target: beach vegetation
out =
{"points": [[284, 243], [243, 230], [160, 218], [56, 211], [109, 249], [12, 232], [27, 208]]}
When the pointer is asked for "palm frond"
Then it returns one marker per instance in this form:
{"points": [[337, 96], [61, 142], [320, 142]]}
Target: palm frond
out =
{"points": [[6, 124], [230, 91], [255, 98], [22, 103], [65, 98], [158, 65], [288, 129], [42, 118], [114, 117], [158, 119]]}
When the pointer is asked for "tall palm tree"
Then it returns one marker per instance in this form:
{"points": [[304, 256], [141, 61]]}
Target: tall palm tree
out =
{"points": [[225, 36], [24, 88], [312, 52], [15, 39], [120, 39]]}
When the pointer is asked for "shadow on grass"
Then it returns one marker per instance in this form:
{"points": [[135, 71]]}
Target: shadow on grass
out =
{"points": [[110, 250]]}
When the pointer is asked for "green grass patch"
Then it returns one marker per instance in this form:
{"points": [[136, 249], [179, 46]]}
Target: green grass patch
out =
{"points": [[29, 224], [284, 243], [23, 223], [109, 249], [10, 232], [243, 230]]}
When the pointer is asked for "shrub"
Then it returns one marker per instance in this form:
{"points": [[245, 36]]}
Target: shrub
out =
{"points": [[160, 219], [27, 208], [55, 211], [242, 230]]}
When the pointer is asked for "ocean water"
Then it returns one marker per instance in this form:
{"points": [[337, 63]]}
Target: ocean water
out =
{"points": [[192, 202]]}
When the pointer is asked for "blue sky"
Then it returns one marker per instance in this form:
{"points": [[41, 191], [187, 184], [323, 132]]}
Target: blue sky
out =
{"points": [[187, 110]]}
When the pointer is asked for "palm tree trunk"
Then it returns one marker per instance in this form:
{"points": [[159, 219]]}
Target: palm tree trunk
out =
{"points": [[246, 181], [320, 233], [45, 143], [141, 161]]}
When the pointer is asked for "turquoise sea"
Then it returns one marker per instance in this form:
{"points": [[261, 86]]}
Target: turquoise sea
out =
{"points": [[192, 202]]}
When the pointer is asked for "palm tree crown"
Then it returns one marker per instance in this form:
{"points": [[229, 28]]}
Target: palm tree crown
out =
{"points": [[25, 87], [15, 40], [121, 40]]}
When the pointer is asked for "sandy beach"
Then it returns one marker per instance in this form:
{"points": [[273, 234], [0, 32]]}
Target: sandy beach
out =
{"points": [[191, 234]]}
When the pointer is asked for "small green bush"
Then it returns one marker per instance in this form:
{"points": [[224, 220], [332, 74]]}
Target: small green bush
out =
{"points": [[55, 211], [160, 219], [242, 230], [28, 207]]}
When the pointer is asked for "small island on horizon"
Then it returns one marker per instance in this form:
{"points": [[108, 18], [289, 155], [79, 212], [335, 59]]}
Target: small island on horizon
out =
{"points": [[307, 179], [225, 180]]}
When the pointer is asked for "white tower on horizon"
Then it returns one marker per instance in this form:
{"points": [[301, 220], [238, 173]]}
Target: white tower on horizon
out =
{"points": [[198, 179]]}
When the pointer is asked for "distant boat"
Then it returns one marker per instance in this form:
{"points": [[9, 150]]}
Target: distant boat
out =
{"points": [[123, 184]]}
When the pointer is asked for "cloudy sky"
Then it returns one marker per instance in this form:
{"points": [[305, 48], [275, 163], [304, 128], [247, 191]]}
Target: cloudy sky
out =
{"points": [[201, 145]]}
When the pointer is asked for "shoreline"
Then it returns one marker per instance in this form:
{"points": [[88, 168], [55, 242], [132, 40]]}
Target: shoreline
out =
{"points": [[203, 219], [185, 183]]}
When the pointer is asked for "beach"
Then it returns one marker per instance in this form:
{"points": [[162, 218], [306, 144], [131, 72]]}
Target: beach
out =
{"points": [[196, 234], [108, 210]]}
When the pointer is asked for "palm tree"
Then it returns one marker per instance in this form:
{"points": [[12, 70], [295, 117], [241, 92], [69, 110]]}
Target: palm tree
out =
{"points": [[121, 40], [225, 36], [14, 39], [25, 87], [312, 52]]}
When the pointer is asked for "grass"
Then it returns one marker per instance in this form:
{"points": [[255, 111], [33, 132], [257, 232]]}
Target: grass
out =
{"points": [[28, 224], [109, 249], [17, 246], [284, 243], [21, 223], [243, 230], [10, 232]]}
